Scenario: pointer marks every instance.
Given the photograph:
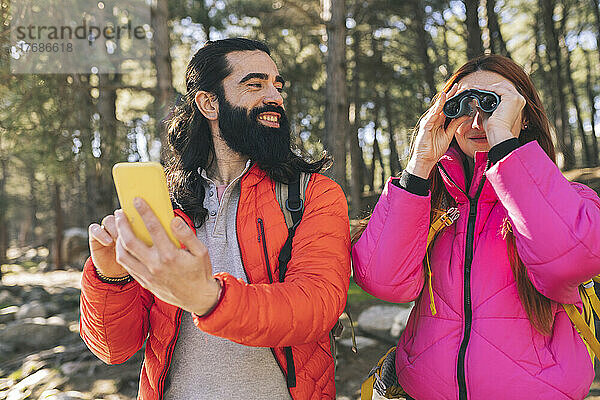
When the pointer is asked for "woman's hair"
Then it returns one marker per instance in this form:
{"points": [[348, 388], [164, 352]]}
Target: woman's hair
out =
{"points": [[537, 306], [189, 135]]}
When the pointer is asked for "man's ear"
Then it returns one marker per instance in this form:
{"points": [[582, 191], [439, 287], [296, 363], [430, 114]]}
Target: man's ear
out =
{"points": [[207, 104]]}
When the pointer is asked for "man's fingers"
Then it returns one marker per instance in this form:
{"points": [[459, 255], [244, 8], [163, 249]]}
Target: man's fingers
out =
{"points": [[110, 226], [185, 235], [130, 242], [97, 233], [129, 261], [159, 236]]}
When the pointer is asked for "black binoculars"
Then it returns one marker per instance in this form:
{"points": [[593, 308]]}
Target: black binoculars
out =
{"points": [[459, 104]]}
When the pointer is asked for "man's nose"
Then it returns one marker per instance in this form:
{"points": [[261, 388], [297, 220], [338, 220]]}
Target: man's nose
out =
{"points": [[273, 97]]}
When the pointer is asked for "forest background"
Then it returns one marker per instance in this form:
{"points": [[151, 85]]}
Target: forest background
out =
{"points": [[359, 73]]}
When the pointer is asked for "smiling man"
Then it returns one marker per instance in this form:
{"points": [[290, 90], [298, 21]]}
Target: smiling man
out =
{"points": [[217, 321]]}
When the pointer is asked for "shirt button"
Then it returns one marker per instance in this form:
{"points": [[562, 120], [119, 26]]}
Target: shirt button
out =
{"points": [[211, 193], [213, 213]]}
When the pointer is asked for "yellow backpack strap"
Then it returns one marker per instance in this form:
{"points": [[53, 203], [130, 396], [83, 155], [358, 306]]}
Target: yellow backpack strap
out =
{"points": [[444, 220], [590, 301]]}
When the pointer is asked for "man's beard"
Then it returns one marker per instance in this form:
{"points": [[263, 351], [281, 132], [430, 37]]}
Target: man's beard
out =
{"points": [[244, 134]]}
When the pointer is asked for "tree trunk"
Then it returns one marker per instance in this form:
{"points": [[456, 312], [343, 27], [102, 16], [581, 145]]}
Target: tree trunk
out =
{"points": [[162, 62], [58, 226], [394, 158], [474, 42], [587, 151], [497, 44], [109, 142], [596, 12], [591, 100], [3, 209], [356, 155], [336, 107], [446, 47], [423, 44], [554, 60]]}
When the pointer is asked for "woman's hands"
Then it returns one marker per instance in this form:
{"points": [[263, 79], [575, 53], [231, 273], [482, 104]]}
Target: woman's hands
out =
{"points": [[432, 139], [505, 122]]}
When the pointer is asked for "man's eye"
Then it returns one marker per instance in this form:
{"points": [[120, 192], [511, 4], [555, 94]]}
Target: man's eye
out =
{"points": [[279, 89], [256, 85]]}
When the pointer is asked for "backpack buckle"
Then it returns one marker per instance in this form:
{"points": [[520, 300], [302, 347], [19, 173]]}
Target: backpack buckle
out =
{"points": [[450, 216], [290, 209]]}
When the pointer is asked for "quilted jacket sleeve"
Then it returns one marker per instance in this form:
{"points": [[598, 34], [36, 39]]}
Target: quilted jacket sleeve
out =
{"points": [[556, 223], [387, 259], [306, 306], [114, 318]]}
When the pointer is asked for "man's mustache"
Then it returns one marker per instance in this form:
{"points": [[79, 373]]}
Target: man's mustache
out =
{"points": [[267, 108]]}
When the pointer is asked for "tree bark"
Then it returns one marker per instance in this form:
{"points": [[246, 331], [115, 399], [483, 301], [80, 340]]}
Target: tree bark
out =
{"points": [[164, 76], [3, 209], [109, 143], [423, 44], [356, 155], [474, 42], [596, 12], [497, 44], [587, 151], [336, 107], [58, 225], [554, 60], [389, 116], [589, 88]]}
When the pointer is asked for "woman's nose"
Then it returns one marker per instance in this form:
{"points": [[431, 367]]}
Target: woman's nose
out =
{"points": [[477, 120]]}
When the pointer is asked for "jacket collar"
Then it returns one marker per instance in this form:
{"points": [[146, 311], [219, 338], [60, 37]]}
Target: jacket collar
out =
{"points": [[452, 167]]}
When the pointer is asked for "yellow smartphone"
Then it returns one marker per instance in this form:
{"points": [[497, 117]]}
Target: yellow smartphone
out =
{"points": [[146, 180]]}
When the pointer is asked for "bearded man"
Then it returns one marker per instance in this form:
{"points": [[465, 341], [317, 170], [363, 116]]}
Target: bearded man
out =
{"points": [[217, 325]]}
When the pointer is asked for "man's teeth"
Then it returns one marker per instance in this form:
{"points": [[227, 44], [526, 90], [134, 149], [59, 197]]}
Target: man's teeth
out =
{"points": [[270, 118]]}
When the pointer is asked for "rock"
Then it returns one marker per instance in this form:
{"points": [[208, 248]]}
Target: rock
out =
{"points": [[8, 314], [8, 299], [37, 293], [75, 246], [400, 321], [361, 342], [34, 333], [378, 319], [33, 309], [55, 394], [19, 391]]}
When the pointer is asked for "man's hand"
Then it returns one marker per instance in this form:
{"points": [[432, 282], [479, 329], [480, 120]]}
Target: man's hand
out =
{"points": [[182, 277]]}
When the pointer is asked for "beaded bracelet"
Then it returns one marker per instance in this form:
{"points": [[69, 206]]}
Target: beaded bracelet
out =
{"points": [[117, 280]]}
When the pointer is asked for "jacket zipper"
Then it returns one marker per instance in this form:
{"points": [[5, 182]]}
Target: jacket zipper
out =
{"points": [[261, 229], [468, 311], [270, 278], [169, 354]]}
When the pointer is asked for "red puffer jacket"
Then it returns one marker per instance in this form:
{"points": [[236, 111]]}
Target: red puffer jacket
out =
{"points": [[300, 312]]}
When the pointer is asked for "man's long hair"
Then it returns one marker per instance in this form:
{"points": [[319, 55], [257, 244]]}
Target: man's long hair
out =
{"points": [[190, 138]]}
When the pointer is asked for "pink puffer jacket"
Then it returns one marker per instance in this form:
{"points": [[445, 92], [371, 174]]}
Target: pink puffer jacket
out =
{"points": [[481, 345]]}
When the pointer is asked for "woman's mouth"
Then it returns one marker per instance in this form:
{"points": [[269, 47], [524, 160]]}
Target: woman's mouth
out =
{"points": [[270, 119], [479, 139]]}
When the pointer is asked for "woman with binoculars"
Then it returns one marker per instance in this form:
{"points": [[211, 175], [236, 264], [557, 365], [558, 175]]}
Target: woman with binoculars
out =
{"points": [[517, 242]]}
